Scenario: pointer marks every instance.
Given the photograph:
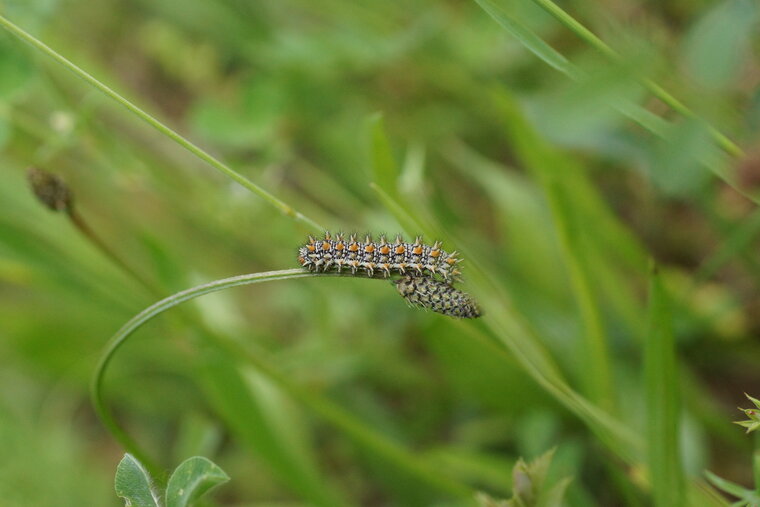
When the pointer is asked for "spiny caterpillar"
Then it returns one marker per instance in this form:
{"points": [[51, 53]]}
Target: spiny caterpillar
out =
{"points": [[426, 292], [418, 263], [384, 257]]}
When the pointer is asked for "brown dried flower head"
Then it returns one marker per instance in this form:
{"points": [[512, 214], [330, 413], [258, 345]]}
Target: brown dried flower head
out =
{"points": [[50, 189]]}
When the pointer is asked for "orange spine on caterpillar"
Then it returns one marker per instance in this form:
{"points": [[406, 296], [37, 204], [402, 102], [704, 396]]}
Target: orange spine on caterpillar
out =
{"points": [[378, 258]]}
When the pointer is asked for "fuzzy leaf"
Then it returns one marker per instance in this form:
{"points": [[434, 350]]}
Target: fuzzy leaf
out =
{"points": [[133, 484]]}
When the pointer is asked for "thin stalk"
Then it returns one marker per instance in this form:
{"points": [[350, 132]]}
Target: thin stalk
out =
{"points": [[81, 225], [283, 207]]}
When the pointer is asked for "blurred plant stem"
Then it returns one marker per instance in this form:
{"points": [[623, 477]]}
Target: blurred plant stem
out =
{"points": [[82, 226]]}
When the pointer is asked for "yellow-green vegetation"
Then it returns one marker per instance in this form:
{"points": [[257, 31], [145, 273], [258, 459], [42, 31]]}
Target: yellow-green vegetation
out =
{"points": [[593, 162]]}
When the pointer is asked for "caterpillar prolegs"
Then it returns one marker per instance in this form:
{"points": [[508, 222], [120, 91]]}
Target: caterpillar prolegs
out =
{"points": [[427, 270]]}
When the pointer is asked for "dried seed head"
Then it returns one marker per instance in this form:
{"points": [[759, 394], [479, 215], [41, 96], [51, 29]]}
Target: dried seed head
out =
{"points": [[50, 189]]}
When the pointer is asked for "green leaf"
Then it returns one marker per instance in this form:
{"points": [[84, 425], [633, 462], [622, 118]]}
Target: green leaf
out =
{"points": [[134, 485], [192, 478], [662, 400]]}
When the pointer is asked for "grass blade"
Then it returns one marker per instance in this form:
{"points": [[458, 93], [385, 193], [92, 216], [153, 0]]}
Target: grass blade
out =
{"points": [[662, 400], [556, 176], [529, 39]]}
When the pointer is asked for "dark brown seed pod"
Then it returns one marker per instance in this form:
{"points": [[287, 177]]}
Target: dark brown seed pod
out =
{"points": [[378, 258], [50, 189], [441, 297]]}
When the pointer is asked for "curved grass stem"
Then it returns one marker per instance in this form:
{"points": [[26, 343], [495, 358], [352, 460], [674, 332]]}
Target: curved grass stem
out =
{"points": [[330, 412], [135, 323]]}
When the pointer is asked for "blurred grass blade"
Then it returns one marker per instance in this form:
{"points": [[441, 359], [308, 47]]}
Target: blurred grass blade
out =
{"points": [[384, 167], [248, 418], [598, 362], [736, 243], [662, 400], [193, 478], [411, 225], [558, 179], [134, 485], [529, 39], [411, 180]]}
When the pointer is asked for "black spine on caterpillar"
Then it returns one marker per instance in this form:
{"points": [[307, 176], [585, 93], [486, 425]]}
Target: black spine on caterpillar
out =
{"points": [[438, 296], [378, 258]]}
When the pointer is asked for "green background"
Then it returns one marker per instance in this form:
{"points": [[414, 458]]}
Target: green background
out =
{"points": [[557, 168]]}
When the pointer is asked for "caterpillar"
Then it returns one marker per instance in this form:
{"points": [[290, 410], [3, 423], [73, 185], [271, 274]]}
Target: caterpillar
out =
{"points": [[441, 297], [378, 257]]}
